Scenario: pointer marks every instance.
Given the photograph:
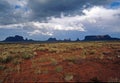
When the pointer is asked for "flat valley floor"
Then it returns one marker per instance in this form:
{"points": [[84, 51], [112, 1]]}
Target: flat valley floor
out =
{"points": [[60, 62]]}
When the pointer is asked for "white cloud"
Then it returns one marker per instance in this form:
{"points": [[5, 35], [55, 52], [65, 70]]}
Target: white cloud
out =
{"points": [[18, 2], [44, 28], [12, 26], [101, 17], [39, 32], [94, 19], [100, 12], [51, 26]]}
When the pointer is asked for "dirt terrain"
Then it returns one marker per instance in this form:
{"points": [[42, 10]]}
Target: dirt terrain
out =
{"points": [[60, 62]]}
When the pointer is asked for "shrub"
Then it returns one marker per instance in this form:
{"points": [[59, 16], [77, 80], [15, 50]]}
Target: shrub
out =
{"points": [[92, 52], [68, 77], [71, 59], [2, 67], [58, 68], [44, 59], [17, 61], [53, 61], [35, 53], [42, 48], [84, 52], [5, 58], [27, 56], [53, 50]]}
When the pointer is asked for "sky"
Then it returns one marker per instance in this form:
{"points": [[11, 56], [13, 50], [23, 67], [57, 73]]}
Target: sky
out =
{"points": [[62, 19]]}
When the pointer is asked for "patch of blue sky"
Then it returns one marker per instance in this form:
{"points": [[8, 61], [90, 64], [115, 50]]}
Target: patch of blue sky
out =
{"points": [[115, 4], [17, 7]]}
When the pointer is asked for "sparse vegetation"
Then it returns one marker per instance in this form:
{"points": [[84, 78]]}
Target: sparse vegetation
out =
{"points": [[5, 57], [114, 80], [64, 62], [27, 55]]}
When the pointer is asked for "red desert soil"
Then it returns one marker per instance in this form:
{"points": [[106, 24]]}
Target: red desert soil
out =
{"points": [[88, 69]]}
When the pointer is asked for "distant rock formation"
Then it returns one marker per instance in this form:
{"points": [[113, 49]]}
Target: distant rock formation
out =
{"points": [[77, 40], [55, 40], [17, 38], [52, 40], [14, 39], [67, 40], [99, 38]]}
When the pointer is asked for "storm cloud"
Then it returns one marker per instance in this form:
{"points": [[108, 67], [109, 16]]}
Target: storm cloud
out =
{"points": [[16, 11], [46, 8]]}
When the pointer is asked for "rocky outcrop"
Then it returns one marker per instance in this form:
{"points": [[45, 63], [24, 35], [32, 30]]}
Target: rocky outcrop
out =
{"points": [[17, 38], [52, 40], [14, 39], [99, 38]]}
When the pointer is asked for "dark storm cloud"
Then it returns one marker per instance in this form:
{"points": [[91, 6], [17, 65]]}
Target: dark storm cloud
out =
{"points": [[46, 8], [37, 10], [5, 9], [4, 6], [9, 14]]}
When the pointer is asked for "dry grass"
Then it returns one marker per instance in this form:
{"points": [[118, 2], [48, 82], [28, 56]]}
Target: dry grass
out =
{"points": [[41, 57], [26, 51]]}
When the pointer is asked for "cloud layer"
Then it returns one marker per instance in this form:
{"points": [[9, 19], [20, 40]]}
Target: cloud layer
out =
{"points": [[91, 20], [60, 18], [17, 11]]}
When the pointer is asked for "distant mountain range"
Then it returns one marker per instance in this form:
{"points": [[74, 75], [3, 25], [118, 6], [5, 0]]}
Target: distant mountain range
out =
{"points": [[18, 38]]}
